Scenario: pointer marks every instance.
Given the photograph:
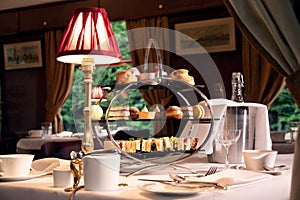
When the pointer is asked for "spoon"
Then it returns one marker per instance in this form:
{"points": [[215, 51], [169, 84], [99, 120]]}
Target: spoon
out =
{"points": [[271, 171]]}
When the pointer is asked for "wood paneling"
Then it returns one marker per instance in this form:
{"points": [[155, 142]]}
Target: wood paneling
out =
{"points": [[133, 9], [50, 17], [9, 23], [58, 15]]}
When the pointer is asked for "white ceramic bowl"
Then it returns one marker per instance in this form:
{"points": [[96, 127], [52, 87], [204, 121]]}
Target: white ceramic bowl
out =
{"points": [[259, 159]]}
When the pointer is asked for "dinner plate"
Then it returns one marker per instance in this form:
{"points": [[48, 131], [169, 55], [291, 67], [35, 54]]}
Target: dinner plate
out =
{"points": [[20, 178], [163, 189]]}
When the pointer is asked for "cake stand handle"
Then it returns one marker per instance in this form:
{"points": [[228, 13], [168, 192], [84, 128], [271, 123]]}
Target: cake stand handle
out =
{"points": [[153, 42]]}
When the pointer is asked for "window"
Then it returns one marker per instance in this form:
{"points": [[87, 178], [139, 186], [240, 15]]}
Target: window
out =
{"points": [[282, 111], [72, 110]]}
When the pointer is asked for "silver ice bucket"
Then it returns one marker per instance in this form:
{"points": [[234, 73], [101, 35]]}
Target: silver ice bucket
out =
{"points": [[235, 117]]}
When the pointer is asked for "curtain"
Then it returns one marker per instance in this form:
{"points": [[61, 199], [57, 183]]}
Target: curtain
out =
{"points": [[272, 26], [59, 78], [140, 31], [262, 82]]}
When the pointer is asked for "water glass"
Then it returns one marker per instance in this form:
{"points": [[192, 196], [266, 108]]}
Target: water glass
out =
{"points": [[47, 129], [293, 126]]}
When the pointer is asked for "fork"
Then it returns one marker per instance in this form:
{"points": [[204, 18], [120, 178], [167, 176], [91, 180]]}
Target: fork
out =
{"points": [[211, 170], [179, 178]]}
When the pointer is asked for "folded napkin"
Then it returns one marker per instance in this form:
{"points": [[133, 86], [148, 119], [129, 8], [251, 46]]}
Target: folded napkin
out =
{"points": [[237, 177], [64, 134], [46, 165]]}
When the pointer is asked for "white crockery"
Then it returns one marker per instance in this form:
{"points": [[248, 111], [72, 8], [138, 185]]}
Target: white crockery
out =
{"points": [[62, 177], [101, 172], [259, 159], [15, 165]]}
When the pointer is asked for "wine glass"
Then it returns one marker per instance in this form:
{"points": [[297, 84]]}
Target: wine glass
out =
{"points": [[227, 138]]}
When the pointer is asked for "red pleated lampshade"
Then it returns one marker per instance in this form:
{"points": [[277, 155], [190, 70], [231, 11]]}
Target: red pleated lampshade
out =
{"points": [[89, 35]]}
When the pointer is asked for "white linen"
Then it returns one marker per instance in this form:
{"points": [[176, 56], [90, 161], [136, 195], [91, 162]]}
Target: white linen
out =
{"points": [[46, 165], [36, 143], [64, 134], [238, 177], [275, 188], [261, 127], [258, 129]]}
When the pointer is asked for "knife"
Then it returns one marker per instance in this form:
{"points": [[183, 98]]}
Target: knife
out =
{"points": [[187, 183]]}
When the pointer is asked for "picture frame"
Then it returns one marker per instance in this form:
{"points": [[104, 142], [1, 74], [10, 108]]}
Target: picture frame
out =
{"points": [[215, 35], [22, 55]]}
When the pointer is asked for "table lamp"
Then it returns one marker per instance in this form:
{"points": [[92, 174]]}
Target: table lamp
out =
{"points": [[89, 40]]}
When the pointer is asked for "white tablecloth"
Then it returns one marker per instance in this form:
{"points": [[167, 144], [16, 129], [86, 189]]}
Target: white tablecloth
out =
{"points": [[29, 143], [276, 187]]}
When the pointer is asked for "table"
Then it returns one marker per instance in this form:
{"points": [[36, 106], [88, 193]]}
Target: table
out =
{"points": [[277, 187], [29, 144]]}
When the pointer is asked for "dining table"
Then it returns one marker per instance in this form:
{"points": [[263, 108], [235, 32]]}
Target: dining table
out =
{"points": [[270, 186], [33, 144]]}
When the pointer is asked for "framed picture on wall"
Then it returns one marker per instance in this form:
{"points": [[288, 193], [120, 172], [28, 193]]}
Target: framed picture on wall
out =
{"points": [[22, 55], [213, 35]]}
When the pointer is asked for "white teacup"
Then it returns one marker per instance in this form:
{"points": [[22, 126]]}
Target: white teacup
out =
{"points": [[35, 133], [15, 165], [62, 177], [259, 159], [101, 172]]}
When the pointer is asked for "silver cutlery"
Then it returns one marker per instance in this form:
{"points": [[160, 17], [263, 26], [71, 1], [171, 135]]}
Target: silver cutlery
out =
{"points": [[188, 184], [211, 170]]}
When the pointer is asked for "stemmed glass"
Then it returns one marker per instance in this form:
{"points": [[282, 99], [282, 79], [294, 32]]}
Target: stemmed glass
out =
{"points": [[227, 138], [293, 126]]}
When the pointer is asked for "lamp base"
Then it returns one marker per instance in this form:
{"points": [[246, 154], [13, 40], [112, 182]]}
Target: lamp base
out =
{"points": [[88, 67]]}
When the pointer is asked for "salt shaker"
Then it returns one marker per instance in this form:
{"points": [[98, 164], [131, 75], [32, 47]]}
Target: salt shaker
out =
{"points": [[237, 83]]}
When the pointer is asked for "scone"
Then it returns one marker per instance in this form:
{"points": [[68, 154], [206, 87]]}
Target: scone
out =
{"points": [[134, 112], [183, 74], [174, 112]]}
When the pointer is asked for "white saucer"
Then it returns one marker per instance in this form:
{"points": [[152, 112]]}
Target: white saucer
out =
{"points": [[272, 172], [162, 189], [20, 178], [28, 136]]}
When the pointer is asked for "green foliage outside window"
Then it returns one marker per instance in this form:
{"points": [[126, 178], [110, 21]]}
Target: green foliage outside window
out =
{"points": [[72, 110], [282, 111]]}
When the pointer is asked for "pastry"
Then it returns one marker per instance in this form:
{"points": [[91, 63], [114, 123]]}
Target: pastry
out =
{"points": [[134, 112], [127, 76], [174, 112], [187, 112], [198, 111], [121, 107], [183, 74], [118, 113], [145, 114]]}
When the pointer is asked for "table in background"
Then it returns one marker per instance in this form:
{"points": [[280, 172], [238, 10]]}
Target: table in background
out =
{"points": [[33, 145], [277, 187]]}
